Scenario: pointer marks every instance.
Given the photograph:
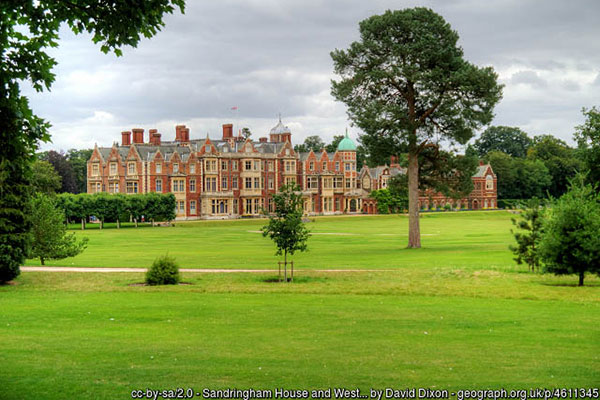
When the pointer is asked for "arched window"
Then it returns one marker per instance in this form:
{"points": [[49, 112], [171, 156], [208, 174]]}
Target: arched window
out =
{"points": [[489, 183]]}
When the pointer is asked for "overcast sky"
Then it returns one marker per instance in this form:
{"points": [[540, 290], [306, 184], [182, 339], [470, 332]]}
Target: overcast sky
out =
{"points": [[271, 56]]}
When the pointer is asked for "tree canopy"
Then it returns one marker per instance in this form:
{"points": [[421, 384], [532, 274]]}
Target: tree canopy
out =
{"points": [[507, 139], [406, 80], [27, 29], [588, 140]]}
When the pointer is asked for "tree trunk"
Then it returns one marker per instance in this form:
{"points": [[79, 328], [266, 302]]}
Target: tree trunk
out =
{"points": [[42, 260], [581, 278], [285, 266], [82, 224], [135, 220], [414, 232], [118, 224], [101, 223], [153, 222]]}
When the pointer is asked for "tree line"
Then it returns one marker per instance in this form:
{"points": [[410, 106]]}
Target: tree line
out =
{"points": [[117, 207]]}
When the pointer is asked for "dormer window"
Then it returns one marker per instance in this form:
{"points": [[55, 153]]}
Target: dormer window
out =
{"points": [[192, 168], [158, 168], [489, 182], [113, 169], [311, 166], [95, 169], [324, 165], [175, 168], [131, 168], [206, 148], [287, 152]]}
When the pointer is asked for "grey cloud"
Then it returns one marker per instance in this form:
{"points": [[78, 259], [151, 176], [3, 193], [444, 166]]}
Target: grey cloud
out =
{"points": [[269, 56]]}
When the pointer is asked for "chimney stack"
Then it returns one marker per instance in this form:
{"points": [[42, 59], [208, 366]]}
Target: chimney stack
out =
{"points": [[154, 137], [182, 134], [227, 131], [138, 135], [394, 162], [263, 140], [125, 138], [481, 163]]}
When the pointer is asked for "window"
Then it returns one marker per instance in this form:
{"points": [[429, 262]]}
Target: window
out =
{"points": [[337, 182], [324, 167], [181, 207], [193, 168], [95, 169], [234, 182], [131, 170], [248, 165], [193, 207], [327, 204], [248, 183], [235, 206], [223, 165], [178, 185], [290, 166], [158, 168], [270, 166], [311, 166], [271, 183], [224, 183], [234, 165], [347, 183], [256, 206], [210, 184], [337, 165], [207, 166], [327, 183], [159, 185], [489, 183], [132, 187], [113, 187], [248, 206], [256, 165], [271, 205], [347, 166], [290, 180], [312, 182], [256, 183], [175, 168], [337, 204], [192, 185], [113, 168]]}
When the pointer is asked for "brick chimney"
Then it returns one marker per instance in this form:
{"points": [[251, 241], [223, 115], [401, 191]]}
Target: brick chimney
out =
{"points": [[125, 138], [154, 137], [227, 131], [179, 133], [481, 163], [263, 140], [394, 162], [138, 135]]}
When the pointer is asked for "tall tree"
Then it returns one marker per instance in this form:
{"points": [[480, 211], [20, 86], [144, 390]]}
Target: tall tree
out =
{"points": [[78, 160], [246, 133], [588, 140], [64, 169], [507, 139], [285, 226], [528, 235], [27, 29], [570, 243], [44, 179], [407, 79], [314, 143], [49, 233], [560, 159]]}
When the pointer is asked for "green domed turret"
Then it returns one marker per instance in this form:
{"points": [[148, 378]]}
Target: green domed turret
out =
{"points": [[346, 144]]}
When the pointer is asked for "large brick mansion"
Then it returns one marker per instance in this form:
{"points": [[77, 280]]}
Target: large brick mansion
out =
{"points": [[233, 177]]}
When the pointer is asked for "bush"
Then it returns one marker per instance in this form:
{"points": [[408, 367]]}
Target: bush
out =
{"points": [[164, 271], [447, 207]]}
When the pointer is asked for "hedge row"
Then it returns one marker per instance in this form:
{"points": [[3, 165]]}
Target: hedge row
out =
{"points": [[117, 207]]}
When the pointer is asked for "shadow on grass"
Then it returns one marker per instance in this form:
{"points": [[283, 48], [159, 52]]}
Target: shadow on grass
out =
{"points": [[298, 279], [570, 284], [145, 284]]}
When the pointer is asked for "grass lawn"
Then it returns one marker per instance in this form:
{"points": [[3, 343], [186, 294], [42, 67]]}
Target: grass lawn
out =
{"points": [[455, 314], [465, 240]]}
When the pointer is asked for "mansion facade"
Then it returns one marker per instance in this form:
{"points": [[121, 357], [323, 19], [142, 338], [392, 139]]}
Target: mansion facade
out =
{"points": [[234, 177]]}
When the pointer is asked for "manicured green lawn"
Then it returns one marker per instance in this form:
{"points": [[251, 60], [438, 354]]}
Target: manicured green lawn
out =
{"points": [[465, 239], [456, 314]]}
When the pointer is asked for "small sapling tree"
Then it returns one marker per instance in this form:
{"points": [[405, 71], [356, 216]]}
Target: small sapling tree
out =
{"points": [[528, 235], [285, 226], [570, 243], [50, 239]]}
